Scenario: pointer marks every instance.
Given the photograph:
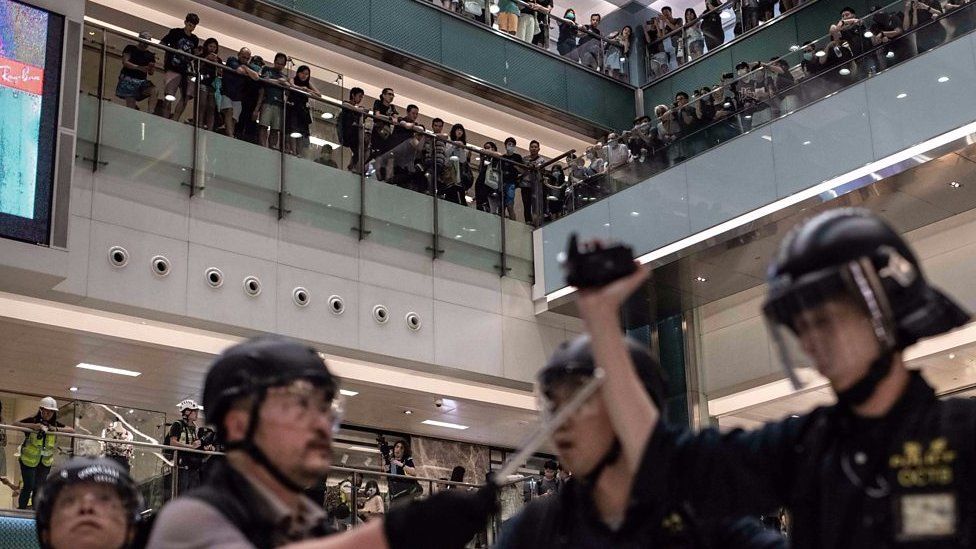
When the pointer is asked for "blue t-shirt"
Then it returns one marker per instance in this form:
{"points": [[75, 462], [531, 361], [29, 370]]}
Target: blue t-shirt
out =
{"points": [[273, 95], [508, 6]]}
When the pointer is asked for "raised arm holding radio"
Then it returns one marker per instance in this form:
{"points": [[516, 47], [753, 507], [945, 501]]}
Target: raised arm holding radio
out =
{"points": [[889, 465]]}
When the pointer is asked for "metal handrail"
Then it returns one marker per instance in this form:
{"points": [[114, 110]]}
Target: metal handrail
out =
{"points": [[289, 88], [9, 427]]}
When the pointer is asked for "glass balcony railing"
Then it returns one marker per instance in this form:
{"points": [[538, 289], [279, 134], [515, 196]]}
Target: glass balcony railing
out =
{"points": [[260, 140], [863, 118], [582, 82], [762, 93]]}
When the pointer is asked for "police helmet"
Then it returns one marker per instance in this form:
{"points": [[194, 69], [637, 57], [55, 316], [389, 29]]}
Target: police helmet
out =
{"points": [[852, 251], [251, 367], [574, 358], [86, 470]]}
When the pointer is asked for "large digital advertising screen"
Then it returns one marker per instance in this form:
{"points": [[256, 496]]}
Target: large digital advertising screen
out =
{"points": [[31, 40]]}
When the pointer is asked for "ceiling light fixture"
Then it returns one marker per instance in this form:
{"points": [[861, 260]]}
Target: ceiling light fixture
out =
{"points": [[806, 142], [348, 393], [943, 79], [107, 369], [901, 95], [408, 412], [701, 278], [444, 424], [952, 356], [820, 53], [295, 135], [890, 55], [169, 97], [73, 389], [327, 115], [955, 184], [845, 71]]}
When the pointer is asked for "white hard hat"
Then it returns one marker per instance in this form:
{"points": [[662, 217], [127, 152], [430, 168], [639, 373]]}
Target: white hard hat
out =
{"points": [[48, 403], [189, 404]]}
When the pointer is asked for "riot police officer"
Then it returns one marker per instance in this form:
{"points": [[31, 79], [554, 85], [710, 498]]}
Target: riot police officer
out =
{"points": [[88, 504], [889, 465], [597, 507], [274, 407]]}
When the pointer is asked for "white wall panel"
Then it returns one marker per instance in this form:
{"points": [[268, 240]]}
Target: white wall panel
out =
{"points": [[82, 181], [226, 227], [79, 238], [468, 287], [317, 250], [395, 269], [135, 284], [229, 304], [526, 346], [393, 338], [736, 354], [316, 321], [143, 205], [467, 339]]}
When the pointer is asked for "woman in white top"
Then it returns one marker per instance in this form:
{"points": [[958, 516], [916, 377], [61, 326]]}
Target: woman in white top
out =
{"points": [[694, 38], [374, 507]]}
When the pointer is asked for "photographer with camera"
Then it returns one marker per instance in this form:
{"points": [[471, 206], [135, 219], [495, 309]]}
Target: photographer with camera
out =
{"points": [[38, 449], [399, 462]]}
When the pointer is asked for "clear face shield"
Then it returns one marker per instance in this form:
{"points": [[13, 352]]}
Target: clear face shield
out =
{"points": [[563, 393], [836, 322]]}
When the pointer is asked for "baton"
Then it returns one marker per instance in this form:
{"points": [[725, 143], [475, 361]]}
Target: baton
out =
{"points": [[542, 434]]}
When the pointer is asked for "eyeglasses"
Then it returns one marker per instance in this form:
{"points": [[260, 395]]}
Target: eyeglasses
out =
{"points": [[305, 401]]}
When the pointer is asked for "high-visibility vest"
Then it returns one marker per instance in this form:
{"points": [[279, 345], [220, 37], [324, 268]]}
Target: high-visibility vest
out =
{"points": [[38, 448]]}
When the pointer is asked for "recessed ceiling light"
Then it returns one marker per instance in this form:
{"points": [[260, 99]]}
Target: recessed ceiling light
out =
{"points": [[794, 415], [901, 95], [295, 135], [73, 389], [327, 115], [132, 411], [767, 137], [701, 278], [943, 79], [408, 412], [108, 370], [820, 53], [955, 184], [444, 424], [845, 71], [169, 97], [634, 214], [868, 34], [348, 393], [890, 55], [806, 142], [952, 356]]}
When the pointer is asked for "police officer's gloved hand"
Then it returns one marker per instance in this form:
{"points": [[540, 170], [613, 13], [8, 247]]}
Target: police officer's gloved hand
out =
{"points": [[447, 520]]}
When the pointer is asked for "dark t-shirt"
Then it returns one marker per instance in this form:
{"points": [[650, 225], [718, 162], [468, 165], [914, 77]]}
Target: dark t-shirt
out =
{"points": [[140, 57], [208, 73], [585, 37], [178, 39], [510, 174], [233, 82], [273, 95]]}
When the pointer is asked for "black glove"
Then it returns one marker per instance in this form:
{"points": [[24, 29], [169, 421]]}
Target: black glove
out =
{"points": [[447, 520]]}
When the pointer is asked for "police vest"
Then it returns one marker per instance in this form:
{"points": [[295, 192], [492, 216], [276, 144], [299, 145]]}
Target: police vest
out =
{"points": [[230, 494], [38, 448], [929, 476]]}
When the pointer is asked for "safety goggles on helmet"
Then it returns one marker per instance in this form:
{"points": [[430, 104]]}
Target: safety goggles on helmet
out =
{"points": [[307, 400], [801, 309]]}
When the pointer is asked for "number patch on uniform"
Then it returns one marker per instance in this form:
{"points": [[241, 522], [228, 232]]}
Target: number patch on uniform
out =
{"points": [[926, 516]]}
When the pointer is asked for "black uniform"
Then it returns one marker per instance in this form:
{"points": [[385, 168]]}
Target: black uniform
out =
{"points": [[569, 520], [904, 480]]}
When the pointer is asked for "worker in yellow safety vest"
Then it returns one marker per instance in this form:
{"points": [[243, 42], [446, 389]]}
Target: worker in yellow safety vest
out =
{"points": [[37, 450]]}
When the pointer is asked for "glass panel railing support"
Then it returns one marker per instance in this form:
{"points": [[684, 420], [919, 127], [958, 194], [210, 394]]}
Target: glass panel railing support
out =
{"points": [[284, 132], [96, 157], [432, 184], [175, 476], [359, 164], [194, 166]]}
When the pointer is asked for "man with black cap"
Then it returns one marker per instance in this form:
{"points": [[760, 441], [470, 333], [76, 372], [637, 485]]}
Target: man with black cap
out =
{"points": [[88, 504], [273, 404], [602, 444], [889, 465]]}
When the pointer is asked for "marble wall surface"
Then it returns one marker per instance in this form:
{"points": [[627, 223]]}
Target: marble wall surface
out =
{"points": [[436, 458]]}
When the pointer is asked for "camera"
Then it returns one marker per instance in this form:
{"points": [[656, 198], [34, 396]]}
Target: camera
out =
{"points": [[597, 266], [439, 402]]}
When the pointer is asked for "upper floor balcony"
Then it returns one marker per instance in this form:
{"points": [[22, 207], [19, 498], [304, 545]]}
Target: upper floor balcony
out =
{"points": [[821, 121]]}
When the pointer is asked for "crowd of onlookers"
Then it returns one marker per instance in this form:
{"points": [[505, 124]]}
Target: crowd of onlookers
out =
{"points": [[758, 92], [244, 97]]}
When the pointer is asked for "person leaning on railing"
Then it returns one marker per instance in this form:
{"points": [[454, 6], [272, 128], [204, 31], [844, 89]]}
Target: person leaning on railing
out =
{"points": [[568, 32], [38, 449]]}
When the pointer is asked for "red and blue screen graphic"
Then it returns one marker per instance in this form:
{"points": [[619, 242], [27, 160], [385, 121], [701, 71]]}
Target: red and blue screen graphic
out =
{"points": [[29, 57]]}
